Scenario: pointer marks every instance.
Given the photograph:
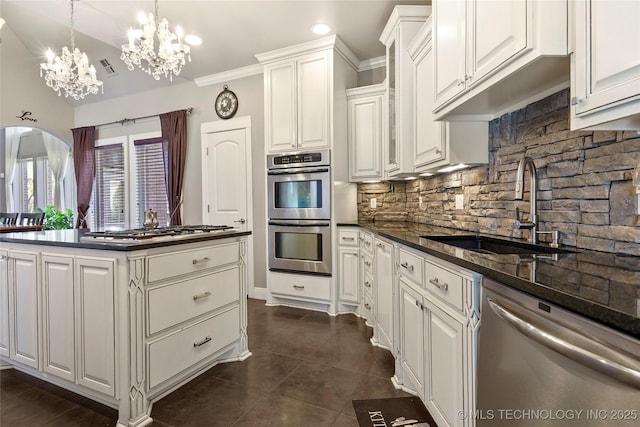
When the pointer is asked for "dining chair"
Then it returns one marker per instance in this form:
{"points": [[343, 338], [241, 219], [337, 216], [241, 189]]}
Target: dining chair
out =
{"points": [[8, 218], [31, 218]]}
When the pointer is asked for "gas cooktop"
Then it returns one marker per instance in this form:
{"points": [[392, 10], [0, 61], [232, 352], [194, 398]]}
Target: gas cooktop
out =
{"points": [[139, 234]]}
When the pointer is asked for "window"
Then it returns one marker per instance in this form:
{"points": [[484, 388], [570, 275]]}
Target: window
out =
{"points": [[130, 179], [36, 184]]}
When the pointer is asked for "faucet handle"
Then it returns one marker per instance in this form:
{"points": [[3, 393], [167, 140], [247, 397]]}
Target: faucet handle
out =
{"points": [[522, 224]]}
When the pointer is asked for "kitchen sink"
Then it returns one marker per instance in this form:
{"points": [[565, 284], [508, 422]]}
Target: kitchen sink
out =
{"points": [[495, 246]]}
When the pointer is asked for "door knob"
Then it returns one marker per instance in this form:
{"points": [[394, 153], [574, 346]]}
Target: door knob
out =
{"points": [[241, 221]]}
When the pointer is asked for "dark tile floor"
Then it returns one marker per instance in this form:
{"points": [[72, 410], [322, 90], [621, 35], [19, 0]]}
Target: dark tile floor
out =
{"points": [[305, 370]]}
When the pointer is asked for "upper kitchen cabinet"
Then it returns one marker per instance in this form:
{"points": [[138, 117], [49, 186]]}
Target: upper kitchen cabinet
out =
{"points": [[402, 26], [366, 132], [605, 92], [494, 55], [439, 144], [301, 84]]}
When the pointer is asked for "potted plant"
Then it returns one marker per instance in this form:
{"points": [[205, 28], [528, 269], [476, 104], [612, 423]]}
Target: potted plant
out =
{"points": [[55, 219]]}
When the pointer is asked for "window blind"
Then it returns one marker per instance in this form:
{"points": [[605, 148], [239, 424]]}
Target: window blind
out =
{"points": [[151, 190], [107, 209]]}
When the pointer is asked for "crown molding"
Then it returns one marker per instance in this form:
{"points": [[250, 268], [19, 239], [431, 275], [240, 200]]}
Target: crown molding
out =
{"points": [[373, 63], [225, 76]]}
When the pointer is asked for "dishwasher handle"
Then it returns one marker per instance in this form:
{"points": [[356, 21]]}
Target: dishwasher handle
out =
{"points": [[600, 361]]}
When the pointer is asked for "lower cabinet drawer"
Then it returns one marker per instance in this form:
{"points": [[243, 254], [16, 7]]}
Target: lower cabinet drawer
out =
{"points": [[368, 285], [444, 284], [301, 286], [166, 266], [181, 301], [172, 354], [411, 265]]}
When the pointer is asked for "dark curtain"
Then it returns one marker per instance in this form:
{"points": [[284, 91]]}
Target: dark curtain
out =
{"points": [[84, 162], [174, 147]]}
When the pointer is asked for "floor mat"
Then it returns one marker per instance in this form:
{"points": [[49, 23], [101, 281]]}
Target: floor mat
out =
{"points": [[392, 412]]}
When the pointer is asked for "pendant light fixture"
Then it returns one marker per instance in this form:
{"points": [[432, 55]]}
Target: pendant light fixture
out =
{"points": [[71, 71], [172, 51]]}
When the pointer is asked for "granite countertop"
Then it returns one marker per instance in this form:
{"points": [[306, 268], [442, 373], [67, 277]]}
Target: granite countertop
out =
{"points": [[72, 239], [601, 286]]}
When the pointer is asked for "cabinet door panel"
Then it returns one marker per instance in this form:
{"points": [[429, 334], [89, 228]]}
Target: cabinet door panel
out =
{"points": [[449, 45], [57, 312], [384, 293], [444, 389], [24, 288], [313, 101], [4, 304], [411, 336], [95, 324], [280, 111], [498, 33], [607, 52], [349, 283], [365, 139]]}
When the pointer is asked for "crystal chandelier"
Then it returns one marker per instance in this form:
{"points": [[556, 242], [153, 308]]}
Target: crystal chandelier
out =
{"points": [[70, 72], [140, 51]]}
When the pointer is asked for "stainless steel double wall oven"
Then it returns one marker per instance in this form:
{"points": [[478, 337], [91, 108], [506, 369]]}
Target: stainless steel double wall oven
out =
{"points": [[299, 209]]}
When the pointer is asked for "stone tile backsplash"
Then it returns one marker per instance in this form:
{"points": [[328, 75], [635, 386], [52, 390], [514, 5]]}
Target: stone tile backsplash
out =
{"points": [[585, 185]]}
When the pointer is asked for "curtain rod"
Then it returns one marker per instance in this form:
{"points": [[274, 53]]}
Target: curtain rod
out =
{"points": [[124, 121]]}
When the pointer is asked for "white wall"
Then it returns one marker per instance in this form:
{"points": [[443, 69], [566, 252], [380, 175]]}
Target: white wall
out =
{"points": [[250, 94], [22, 89]]}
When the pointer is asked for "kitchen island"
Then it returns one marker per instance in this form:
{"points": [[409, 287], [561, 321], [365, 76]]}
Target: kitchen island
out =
{"points": [[122, 322]]}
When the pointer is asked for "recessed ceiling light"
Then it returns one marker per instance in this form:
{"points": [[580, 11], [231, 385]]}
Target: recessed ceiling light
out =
{"points": [[193, 40], [321, 29]]}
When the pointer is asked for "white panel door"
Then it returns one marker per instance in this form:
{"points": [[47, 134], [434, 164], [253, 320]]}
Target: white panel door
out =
{"points": [[449, 46], [384, 292], [280, 106], [497, 33], [4, 304], [444, 386], [349, 284], [95, 324], [24, 296], [365, 137], [313, 100], [58, 316], [607, 53], [225, 178], [411, 337]]}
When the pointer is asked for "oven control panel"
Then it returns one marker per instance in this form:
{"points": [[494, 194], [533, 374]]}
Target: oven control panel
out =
{"points": [[292, 160]]}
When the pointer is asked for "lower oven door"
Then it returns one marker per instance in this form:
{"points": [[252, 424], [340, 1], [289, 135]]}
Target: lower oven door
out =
{"points": [[300, 246]]}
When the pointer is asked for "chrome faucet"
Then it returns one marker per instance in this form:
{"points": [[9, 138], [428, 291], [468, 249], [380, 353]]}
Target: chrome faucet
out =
{"points": [[532, 223]]}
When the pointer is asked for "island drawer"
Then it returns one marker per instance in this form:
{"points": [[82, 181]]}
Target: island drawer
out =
{"points": [[411, 266], [181, 301], [445, 284], [175, 264], [312, 287], [179, 351]]}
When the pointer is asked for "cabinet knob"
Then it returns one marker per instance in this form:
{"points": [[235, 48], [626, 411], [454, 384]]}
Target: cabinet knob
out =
{"points": [[367, 284], [367, 306], [575, 100], [438, 151]]}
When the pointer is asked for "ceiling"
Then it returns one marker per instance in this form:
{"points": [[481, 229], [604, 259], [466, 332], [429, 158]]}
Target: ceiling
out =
{"points": [[232, 31]]}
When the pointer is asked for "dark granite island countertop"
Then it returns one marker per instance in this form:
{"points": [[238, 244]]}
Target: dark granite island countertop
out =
{"points": [[601, 286], [73, 239]]}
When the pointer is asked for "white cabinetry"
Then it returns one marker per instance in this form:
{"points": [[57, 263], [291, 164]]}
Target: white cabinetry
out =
{"points": [[23, 294], [437, 144], [438, 314], [299, 85], [367, 265], [403, 24], [349, 259], [493, 55], [383, 333], [606, 65], [366, 132], [5, 327]]}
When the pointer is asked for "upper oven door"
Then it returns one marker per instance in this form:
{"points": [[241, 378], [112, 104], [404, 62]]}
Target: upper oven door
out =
{"points": [[303, 193]]}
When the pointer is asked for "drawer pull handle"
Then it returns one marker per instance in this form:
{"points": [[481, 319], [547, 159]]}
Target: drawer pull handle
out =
{"points": [[407, 266], [367, 263], [419, 305], [298, 287], [367, 306], [435, 282], [351, 239], [201, 260], [201, 296], [367, 284], [203, 342]]}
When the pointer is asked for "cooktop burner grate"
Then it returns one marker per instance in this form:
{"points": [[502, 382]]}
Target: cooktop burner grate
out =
{"points": [[144, 233]]}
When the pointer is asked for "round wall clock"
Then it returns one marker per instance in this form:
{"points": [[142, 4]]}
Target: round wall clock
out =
{"points": [[226, 103]]}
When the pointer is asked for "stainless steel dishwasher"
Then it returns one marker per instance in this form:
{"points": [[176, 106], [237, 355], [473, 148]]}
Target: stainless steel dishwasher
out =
{"points": [[541, 365]]}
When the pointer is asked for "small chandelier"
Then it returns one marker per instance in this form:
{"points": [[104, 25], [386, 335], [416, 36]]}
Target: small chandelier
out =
{"points": [[70, 72], [140, 50]]}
